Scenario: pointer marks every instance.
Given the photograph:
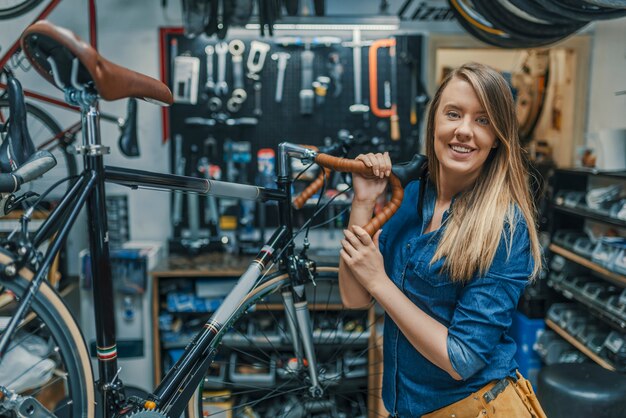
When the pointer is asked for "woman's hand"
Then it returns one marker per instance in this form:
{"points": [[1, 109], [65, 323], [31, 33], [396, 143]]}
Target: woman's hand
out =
{"points": [[361, 255], [367, 189]]}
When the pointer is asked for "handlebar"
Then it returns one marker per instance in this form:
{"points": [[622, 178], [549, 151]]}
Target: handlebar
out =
{"points": [[401, 175], [345, 165], [39, 163]]}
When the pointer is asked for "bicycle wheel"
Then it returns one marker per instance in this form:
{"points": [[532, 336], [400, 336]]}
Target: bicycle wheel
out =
{"points": [[12, 8], [47, 358], [42, 129], [257, 374]]}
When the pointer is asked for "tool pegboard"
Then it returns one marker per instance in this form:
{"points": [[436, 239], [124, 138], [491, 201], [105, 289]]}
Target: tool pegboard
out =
{"points": [[283, 121], [318, 97]]}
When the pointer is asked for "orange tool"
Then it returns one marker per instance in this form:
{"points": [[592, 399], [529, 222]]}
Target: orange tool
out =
{"points": [[392, 112]]}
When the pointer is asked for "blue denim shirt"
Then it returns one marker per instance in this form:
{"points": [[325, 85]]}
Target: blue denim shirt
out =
{"points": [[478, 314]]}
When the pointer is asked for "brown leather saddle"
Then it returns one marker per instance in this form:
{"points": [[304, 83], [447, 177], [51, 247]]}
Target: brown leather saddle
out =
{"points": [[48, 46]]}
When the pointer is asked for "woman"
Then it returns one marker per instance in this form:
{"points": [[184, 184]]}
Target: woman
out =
{"points": [[449, 276]]}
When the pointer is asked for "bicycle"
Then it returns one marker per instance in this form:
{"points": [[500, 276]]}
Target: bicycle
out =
{"points": [[46, 132], [278, 273]]}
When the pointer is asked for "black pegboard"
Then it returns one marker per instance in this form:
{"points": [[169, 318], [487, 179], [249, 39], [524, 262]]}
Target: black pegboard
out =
{"points": [[283, 121]]}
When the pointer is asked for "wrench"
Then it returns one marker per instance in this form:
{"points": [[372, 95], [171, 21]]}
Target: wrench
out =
{"points": [[236, 48], [221, 87], [282, 58], [256, 58], [210, 83], [306, 92], [257, 99]]}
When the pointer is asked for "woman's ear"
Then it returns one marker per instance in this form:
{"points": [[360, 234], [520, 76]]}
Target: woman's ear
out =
{"points": [[495, 144]]}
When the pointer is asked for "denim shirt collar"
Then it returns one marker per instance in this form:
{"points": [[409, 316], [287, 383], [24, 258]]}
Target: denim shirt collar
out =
{"points": [[428, 208]]}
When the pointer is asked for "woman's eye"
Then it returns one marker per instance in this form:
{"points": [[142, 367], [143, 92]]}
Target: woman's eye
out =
{"points": [[483, 121], [452, 114]]}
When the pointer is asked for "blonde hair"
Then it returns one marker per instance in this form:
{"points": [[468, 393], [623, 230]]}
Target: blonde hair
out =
{"points": [[481, 214]]}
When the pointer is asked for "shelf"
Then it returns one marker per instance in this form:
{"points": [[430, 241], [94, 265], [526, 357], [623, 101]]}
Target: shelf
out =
{"points": [[614, 277], [591, 215], [592, 171], [580, 346], [596, 307]]}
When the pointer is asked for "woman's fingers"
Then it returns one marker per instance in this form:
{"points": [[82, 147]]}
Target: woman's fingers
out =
{"points": [[360, 234], [352, 238], [348, 248], [382, 165], [379, 163], [387, 164]]}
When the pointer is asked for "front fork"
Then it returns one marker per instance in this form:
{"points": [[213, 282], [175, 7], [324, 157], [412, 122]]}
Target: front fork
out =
{"points": [[299, 324]]}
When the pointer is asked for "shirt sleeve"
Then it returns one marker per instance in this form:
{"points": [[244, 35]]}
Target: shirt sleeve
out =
{"points": [[484, 311]]}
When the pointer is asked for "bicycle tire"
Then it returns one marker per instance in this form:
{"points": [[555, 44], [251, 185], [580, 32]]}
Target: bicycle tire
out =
{"points": [[582, 11], [610, 4], [13, 10], [329, 352], [51, 321], [537, 10], [517, 26], [485, 31], [42, 127]]}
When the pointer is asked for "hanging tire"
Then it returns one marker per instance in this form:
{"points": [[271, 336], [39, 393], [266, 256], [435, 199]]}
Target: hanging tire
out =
{"points": [[10, 9]]}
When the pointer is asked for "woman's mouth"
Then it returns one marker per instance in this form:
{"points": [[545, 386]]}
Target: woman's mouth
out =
{"points": [[461, 149]]}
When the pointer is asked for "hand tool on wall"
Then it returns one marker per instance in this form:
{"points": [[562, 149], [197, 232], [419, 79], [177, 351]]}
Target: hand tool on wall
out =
{"points": [[356, 44], [392, 112], [256, 58], [212, 19], [209, 50], [282, 58], [306, 92], [292, 6], [409, 53], [221, 87], [320, 7], [180, 162], [258, 111], [269, 12], [215, 104], [172, 66], [185, 84], [335, 69], [237, 48], [320, 85]]}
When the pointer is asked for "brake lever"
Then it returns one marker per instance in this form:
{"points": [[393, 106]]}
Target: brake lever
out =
{"points": [[8, 202]]}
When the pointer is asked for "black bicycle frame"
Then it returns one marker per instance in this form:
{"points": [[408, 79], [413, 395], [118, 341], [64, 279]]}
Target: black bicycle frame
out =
{"points": [[184, 377]]}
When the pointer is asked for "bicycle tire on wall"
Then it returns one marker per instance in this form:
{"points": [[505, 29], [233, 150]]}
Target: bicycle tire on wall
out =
{"points": [[257, 301], [521, 28], [14, 9], [42, 127], [50, 320], [486, 32]]}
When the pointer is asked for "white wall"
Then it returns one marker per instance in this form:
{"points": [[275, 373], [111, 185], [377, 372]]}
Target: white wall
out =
{"points": [[608, 75], [128, 35]]}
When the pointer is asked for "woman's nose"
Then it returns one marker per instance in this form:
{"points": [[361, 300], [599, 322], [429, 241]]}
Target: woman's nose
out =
{"points": [[464, 129]]}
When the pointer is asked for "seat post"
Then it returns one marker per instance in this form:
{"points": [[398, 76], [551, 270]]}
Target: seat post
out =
{"points": [[93, 154]]}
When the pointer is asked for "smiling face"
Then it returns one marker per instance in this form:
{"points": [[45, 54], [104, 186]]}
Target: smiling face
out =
{"points": [[463, 134]]}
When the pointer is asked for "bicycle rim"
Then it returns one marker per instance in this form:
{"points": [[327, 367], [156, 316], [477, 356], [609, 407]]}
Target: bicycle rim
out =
{"points": [[42, 129], [47, 358], [13, 8], [255, 370]]}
